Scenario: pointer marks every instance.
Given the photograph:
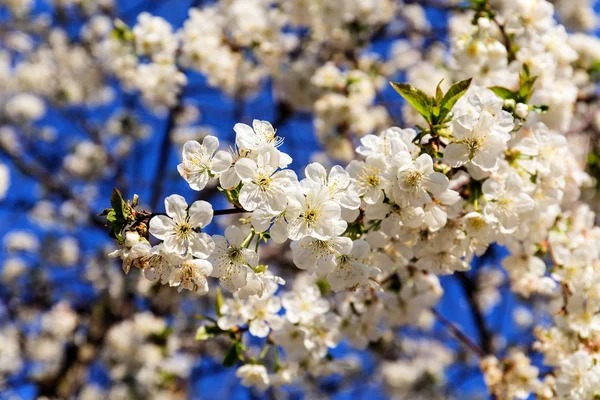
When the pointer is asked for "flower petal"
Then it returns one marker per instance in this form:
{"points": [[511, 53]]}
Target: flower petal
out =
{"points": [[210, 143], [246, 169], [201, 245], [176, 208], [221, 162], [201, 213], [162, 226]]}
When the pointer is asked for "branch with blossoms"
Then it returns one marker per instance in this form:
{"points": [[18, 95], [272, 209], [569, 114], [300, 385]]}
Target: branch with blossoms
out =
{"points": [[417, 204]]}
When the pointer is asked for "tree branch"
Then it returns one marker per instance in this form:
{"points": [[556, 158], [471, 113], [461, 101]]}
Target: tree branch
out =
{"points": [[163, 157], [458, 334], [470, 289]]}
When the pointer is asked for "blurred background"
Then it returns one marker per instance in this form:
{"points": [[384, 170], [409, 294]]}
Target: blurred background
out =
{"points": [[72, 324]]}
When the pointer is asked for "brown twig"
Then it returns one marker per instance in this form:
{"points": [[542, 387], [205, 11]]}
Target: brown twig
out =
{"points": [[458, 334]]}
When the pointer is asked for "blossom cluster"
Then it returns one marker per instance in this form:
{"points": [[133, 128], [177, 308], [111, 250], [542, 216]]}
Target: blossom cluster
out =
{"points": [[414, 205]]}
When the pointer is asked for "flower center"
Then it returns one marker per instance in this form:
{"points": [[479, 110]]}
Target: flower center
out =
{"points": [[413, 178], [311, 216], [476, 223], [263, 182], [369, 176], [184, 230], [196, 161], [234, 253], [473, 145]]}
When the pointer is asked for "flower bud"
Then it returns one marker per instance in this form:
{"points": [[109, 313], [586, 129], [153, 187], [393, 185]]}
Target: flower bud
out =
{"points": [[522, 110], [483, 23], [131, 238], [510, 104]]}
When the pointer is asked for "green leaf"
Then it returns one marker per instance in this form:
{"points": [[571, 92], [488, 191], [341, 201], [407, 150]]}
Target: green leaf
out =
{"points": [[526, 82], [232, 355], [526, 89], [122, 32], [203, 333], [111, 217], [119, 236], [526, 72], [416, 98], [438, 92], [218, 302], [119, 206], [453, 94], [503, 93]]}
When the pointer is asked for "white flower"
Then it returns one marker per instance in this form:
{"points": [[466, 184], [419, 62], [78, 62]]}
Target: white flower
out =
{"points": [[522, 110], [443, 260], [292, 338], [260, 135], [178, 228], [388, 143], [200, 162], [338, 183], [254, 375], [191, 275], [232, 313], [230, 260], [254, 137], [417, 178], [325, 333], [319, 256], [505, 201], [4, 180], [578, 377], [155, 262], [350, 270], [303, 305], [369, 176], [259, 283], [154, 36], [314, 214], [262, 314], [480, 227], [476, 141], [263, 187], [583, 314]]}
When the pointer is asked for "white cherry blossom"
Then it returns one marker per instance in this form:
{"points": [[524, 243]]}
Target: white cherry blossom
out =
{"points": [[178, 229], [200, 162], [264, 186], [231, 260]]}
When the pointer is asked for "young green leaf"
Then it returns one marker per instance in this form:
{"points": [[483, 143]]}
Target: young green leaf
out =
{"points": [[526, 89], [232, 355], [205, 332], [121, 209], [504, 93], [439, 94], [416, 98], [453, 94]]}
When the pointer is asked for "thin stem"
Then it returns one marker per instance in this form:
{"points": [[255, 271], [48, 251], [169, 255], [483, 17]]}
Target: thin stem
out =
{"points": [[215, 212], [248, 239]]}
